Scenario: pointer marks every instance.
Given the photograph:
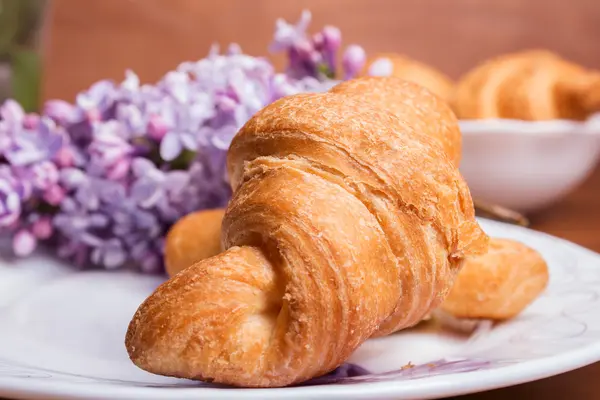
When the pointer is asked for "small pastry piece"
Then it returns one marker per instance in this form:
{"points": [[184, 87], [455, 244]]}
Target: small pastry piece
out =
{"points": [[499, 284], [193, 238], [529, 85], [344, 223], [391, 64]]}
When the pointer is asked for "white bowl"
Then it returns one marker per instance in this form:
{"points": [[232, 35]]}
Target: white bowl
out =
{"points": [[526, 165]]}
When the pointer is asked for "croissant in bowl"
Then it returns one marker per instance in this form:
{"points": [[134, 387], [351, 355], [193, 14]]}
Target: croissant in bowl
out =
{"points": [[528, 85], [345, 222]]}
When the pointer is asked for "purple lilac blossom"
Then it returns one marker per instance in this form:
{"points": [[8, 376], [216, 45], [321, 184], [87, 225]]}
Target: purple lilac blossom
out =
{"points": [[354, 60], [24, 242], [103, 178], [10, 198], [315, 56]]}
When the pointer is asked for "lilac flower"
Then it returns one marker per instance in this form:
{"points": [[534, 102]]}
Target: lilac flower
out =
{"points": [[149, 259], [54, 195], [31, 121], [29, 147], [12, 115], [286, 34], [133, 224], [62, 112], [79, 225], [83, 188], [183, 122], [314, 56], [151, 263], [353, 61], [157, 128], [44, 175], [328, 41], [110, 150], [19, 179], [155, 189], [105, 177], [109, 254], [42, 227], [75, 251], [24, 242], [10, 203], [5, 139], [132, 119], [11, 123], [65, 157], [177, 84], [175, 141], [381, 67], [130, 86], [98, 100], [239, 84], [303, 54]]}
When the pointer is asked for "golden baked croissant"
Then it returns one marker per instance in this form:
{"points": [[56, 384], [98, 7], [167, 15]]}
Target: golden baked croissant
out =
{"points": [[345, 222], [499, 284], [391, 64], [529, 85], [193, 238]]}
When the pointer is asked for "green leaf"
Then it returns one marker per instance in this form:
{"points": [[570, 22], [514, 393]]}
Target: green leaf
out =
{"points": [[184, 160], [26, 78], [324, 71], [9, 24]]}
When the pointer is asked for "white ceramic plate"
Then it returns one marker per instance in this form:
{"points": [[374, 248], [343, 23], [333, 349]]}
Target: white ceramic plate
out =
{"points": [[61, 336]]}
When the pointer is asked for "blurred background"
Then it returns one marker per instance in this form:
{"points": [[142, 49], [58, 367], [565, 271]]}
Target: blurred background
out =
{"points": [[80, 42], [84, 41], [55, 48]]}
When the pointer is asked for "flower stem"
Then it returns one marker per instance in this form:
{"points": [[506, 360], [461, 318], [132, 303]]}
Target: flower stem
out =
{"points": [[25, 79]]}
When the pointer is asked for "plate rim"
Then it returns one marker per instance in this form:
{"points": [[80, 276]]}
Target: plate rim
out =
{"points": [[437, 386]]}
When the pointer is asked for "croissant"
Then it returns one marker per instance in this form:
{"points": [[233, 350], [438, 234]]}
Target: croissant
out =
{"points": [[345, 223], [529, 85], [193, 238], [391, 64], [499, 284]]}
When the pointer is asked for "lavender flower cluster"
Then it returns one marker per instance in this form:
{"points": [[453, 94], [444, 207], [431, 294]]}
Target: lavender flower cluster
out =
{"points": [[104, 178]]}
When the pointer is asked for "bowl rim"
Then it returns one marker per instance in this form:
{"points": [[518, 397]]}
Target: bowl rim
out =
{"points": [[590, 126]]}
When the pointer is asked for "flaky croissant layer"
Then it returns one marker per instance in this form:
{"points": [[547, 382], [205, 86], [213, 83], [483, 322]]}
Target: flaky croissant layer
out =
{"points": [[346, 222]]}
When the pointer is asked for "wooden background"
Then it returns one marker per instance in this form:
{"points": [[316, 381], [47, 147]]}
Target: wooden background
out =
{"points": [[93, 39]]}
